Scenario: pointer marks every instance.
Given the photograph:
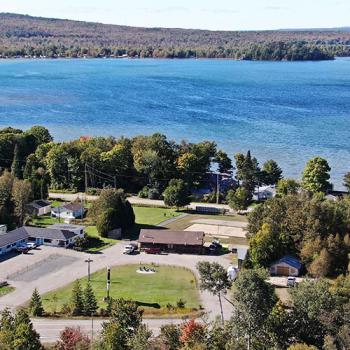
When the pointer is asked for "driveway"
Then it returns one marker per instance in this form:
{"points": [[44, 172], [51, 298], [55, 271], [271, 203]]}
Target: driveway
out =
{"points": [[47, 277]]}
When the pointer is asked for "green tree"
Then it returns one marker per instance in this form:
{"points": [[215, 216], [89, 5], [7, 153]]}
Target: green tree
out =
{"points": [[239, 199], [77, 300], [223, 161], [346, 181], [35, 305], [16, 170], [108, 221], [271, 173], [176, 195], [6, 203], [287, 187], [253, 300], [6, 330], [89, 301], [170, 335], [316, 175], [22, 195], [41, 134], [124, 322], [264, 247], [141, 339], [214, 279], [25, 337]]}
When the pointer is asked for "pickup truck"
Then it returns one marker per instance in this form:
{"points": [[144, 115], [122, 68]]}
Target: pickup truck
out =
{"points": [[153, 251]]}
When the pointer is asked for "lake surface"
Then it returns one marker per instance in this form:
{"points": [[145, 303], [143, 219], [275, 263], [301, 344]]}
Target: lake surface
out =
{"points": [[287, 111]]}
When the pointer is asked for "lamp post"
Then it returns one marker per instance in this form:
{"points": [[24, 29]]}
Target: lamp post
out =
{"points": [[89, 261], [108, 281]]}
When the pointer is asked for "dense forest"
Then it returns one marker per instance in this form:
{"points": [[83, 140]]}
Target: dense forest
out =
{"points": [[26, 36]]}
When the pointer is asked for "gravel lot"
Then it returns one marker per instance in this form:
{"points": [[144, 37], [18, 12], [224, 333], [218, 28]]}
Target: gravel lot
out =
{"points": [[42, 268]]}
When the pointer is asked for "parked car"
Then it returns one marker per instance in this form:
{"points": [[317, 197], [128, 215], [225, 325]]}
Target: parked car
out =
{"points": [[215, 247], [129, 249], [291, 281], [153, 251], [31, 245], [22, 249]]}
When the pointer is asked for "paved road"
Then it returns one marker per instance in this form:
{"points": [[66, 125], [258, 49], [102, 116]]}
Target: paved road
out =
{"points": [[50, 329], [133, 200]]}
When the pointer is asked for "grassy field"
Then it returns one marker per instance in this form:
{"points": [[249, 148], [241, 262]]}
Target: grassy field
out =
{"points": [[153, 292], [6, 290]]}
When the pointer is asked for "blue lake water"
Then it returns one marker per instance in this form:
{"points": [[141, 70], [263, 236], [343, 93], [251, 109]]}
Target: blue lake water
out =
{"points": [[286, 111]]}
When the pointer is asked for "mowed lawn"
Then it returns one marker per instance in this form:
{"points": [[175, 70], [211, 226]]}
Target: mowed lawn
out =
{"points": [[153, 216], [152, 291], [6, 290]]}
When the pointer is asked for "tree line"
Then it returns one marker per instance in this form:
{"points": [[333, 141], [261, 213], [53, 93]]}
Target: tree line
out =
{"points": [[26, 36]]}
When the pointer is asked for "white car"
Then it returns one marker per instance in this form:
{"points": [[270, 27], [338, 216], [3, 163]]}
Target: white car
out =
{"points": [[31, 245], [129, 249]]}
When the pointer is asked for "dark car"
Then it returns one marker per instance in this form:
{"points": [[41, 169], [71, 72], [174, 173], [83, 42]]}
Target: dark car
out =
{"points": [[153, 251], [215, 247], [22, 249]]}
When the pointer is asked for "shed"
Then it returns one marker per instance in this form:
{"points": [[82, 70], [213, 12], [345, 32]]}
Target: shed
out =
{"points": [[39, 207], [286, 266]]}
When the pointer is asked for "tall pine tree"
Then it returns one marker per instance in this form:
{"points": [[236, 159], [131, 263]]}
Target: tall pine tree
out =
{"points": [[16, 166], [77, 302], [89, 299], [35, 305]]}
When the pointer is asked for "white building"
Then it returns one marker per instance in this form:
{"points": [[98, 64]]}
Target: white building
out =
{"points": [[264, 193], [69, 212]]}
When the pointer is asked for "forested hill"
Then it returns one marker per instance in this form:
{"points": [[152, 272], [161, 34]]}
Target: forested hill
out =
{"points": [[26, 36]]}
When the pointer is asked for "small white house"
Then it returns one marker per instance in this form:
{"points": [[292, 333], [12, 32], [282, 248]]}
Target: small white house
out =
{"points": [[286, 266], [69, 212], [39, 207], [264, 193], [76, 229]]}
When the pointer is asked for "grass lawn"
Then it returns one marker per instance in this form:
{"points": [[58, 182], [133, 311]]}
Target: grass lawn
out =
{"points": [[6, 290], [153, 216], [44, 221], [153, 292], [96, 242]]}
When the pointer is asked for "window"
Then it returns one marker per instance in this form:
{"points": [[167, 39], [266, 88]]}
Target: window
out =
{"points": [[46, 240]]}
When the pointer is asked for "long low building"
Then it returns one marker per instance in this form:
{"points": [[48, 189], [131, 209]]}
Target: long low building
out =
{"points": [[190, 242], [56, 235]]}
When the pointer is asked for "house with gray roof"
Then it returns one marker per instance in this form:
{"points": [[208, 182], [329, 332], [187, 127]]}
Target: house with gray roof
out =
{"points": [[69, 211], [12, 240], [59, 236]]}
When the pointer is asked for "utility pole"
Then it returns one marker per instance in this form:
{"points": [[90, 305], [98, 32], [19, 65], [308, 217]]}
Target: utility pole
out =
{"points": [[115, 182], [86, 181], [89, 261], [217, 188], [108, 281]]}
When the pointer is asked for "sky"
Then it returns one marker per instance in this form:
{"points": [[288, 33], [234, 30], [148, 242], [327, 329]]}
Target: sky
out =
{"points": [[203, 14]]}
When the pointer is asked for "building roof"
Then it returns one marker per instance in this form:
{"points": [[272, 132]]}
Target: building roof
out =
{"points": [[40, 203], [49, 233], [73, 206], [25, 232], [13, 236], [289, 260], [172, 237], [68, 227]]}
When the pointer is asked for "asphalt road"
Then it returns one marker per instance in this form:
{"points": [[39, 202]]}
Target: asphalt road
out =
{"points": [[49, 329]]}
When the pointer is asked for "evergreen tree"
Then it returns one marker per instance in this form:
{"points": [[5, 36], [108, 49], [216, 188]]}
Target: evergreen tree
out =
{"points": [[77, 302], [25, 337], [6, 330], [271, 173], [35, 305], [90, 302], [16, 166]]}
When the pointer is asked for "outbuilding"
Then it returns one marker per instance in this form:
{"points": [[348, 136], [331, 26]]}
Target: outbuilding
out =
{"points": [[39, 207], [190, 242], [286, 266], [69, 211]]}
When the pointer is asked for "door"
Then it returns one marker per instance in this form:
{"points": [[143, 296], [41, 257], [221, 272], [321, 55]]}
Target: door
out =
{"points": [[283, 270]]}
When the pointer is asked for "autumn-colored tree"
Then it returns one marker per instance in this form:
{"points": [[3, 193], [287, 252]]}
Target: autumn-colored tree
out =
{"points": [[72, 338], [193, 335]]}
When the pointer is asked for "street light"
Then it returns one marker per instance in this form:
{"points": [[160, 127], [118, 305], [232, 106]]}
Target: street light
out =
{"points": [[89, 261]]}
